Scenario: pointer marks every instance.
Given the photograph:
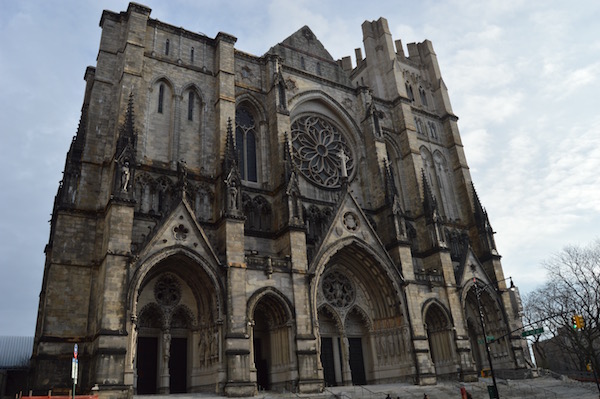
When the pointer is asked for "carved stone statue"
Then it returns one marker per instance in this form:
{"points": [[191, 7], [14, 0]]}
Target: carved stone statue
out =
{"points": [[232, 192], [166, 347], [125, 175], [343, 159]]}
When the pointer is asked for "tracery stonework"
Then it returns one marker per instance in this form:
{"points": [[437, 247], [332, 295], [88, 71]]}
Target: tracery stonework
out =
{"points": [[338, 290], [167, 291], [316, 148]]}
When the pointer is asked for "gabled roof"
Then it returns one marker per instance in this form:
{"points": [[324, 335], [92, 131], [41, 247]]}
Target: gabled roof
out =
{"points": [[302, 51], [15, 352], [305, 41]]}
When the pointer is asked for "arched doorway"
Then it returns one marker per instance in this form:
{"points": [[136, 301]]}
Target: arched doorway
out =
{"points": [[495, 328], [439, 336], [364, 338], [272, 342], [177, 338], [164, 327]]}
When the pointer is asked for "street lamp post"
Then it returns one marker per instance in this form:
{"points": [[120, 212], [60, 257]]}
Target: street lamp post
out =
{"points": [[478, 291]]}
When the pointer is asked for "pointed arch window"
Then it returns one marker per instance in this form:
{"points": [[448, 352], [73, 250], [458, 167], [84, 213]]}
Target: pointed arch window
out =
{"points": [[409, 92], [245, 142], [423, 96], [432, 130], [161, 98], [191, 106], [419, 124], [167, 43], [192, 55]]}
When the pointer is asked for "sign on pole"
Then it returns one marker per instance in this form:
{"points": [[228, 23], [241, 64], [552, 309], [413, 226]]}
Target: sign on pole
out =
{"points": [[535, 331], [74, 370]]}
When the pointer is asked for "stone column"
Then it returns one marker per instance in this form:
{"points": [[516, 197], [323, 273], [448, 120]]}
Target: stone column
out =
{"points": [[164, 375]]}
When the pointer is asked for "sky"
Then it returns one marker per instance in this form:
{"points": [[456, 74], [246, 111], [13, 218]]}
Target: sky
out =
{"points": [[523, 78]]}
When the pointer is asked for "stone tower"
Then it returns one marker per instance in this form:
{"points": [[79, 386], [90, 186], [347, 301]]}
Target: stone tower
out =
{"points": [[230, 222]]}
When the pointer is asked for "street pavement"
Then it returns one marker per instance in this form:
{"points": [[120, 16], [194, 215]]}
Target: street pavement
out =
{"points": [[541, 387]]}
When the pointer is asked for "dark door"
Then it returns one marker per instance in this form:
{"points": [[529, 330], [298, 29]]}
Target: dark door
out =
{"points": [[327, 361], [262, 366], [357, 364], [178, 365], [147, 365]]}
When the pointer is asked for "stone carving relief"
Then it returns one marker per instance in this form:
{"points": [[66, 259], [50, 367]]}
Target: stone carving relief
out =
{"points": [[351, 221], [338, 290], [208, 345]]}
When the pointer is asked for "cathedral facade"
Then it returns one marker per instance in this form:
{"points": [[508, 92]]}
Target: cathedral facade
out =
{"points": [[230, 222]]}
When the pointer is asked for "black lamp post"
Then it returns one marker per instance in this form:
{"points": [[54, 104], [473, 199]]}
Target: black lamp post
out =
{"points": [[478, 291]]}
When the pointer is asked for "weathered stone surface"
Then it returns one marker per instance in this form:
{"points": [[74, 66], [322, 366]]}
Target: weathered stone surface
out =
{"points": [[244, 255]]}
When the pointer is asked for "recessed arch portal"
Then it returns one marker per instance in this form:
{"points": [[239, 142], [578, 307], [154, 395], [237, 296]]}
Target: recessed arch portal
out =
{"points": [[495, 323], [364, 336], [440, 337], [271, 317], [177, 340]]}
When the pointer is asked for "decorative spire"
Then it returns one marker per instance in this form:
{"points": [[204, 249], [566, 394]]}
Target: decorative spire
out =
{"points": [[432, 215], [182, 179], [68, 187], [480, 213], [295, 213], [125, 155], [390, 186], [127, 133], [231, 157], [232, 205], [287, 157], [486, 232], [429, 202]]}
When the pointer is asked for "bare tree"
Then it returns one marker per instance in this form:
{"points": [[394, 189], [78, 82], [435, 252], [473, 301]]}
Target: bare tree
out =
{"points": [[573, 288]]}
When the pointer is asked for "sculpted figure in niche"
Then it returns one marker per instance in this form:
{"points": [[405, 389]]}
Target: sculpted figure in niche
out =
{"points": [[233, 196], [125, 174]]}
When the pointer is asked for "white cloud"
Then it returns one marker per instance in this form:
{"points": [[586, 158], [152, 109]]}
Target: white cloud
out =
{"points": [[522, 77]]}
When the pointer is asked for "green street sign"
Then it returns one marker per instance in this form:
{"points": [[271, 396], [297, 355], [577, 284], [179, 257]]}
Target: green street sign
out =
{"points": [[489, 338], [535, 331]]}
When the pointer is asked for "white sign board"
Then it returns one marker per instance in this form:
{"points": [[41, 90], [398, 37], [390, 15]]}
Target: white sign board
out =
{"points": [[74, 370]]}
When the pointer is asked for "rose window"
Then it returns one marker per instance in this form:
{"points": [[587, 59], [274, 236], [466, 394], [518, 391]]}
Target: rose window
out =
{"points": [[320, 151], [338, 290], [167, 291]]}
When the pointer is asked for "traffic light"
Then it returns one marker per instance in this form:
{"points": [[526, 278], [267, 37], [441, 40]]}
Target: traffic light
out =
{"points": [[580, 322], [577, 322]]}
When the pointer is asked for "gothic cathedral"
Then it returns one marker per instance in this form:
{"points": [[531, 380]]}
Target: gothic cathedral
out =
{"points": [[232, 223]]}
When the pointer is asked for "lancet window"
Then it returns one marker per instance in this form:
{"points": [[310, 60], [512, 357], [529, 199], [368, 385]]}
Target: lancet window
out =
{"points": [[245, 142]]}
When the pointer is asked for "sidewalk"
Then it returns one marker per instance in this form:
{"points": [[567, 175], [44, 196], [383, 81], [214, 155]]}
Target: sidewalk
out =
{"points": [[541, 387]]}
